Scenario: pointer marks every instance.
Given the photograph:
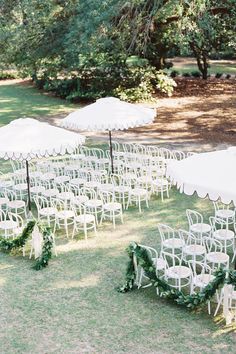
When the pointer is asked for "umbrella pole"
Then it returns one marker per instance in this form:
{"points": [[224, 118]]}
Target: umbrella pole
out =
{"points": [[28, 185], [112, 167]]}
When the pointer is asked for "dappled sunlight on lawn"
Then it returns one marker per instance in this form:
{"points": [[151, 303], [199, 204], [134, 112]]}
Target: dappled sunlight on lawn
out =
{"points": [[88, 281]]}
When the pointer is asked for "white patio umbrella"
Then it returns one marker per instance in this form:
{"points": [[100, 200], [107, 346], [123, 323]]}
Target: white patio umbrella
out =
{"points": [[211, 174], [108, 114], [25, 139]]}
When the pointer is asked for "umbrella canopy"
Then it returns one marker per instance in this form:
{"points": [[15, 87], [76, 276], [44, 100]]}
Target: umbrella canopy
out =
{"points": [[27, 138], [109, 114], [210, 174]]}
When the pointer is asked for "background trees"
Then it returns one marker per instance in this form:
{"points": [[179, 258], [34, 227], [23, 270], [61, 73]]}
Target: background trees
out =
{"points": [[82, 48]]}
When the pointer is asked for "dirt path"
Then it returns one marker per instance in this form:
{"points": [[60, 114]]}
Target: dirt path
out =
{"points": [[201, 116]]}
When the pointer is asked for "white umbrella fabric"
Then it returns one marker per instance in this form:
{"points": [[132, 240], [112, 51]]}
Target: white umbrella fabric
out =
{"points": [[25, 139], [108, 114], [211, 174]]}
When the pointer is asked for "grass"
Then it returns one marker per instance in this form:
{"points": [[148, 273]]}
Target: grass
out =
{"points": [[17, 100], [188, 65], [72, 306]]}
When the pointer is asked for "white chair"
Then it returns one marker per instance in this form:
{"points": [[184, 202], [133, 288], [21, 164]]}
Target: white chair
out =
{"points": [[202, 276], [158, 262], [94, 204], [161, 185], [223, 212], [194, 248], [120, 189], [171, 240], [215, 257], [64, 217], [221, 232], [45, 210], [110, 209], [15, 205], [137, 196], [85, 222], [176, 272], [7, 226], [196, 224]]}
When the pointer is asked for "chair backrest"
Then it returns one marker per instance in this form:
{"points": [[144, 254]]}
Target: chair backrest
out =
{"points": [[212, 245], [199, 267], [189, 237], [107, 197], [166, 232], [179, 155], [3, 215], [171, 259], [17, 218], [194, 217]]}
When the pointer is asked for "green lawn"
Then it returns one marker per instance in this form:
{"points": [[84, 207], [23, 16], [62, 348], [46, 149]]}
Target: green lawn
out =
{"points": [[17, 100], [72, 306], [188, 65]]}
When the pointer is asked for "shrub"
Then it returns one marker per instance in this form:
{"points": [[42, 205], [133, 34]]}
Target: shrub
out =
{"points": [[196, 73], [218, 75], [174, 73], [186, 75], [5, 75], [128, 83]]}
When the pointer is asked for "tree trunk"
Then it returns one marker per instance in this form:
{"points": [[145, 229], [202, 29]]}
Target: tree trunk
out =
{"points": [[202, 60]]}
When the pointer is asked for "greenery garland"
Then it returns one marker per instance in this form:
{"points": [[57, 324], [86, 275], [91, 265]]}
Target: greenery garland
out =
{"points": [[165, 290], [46, 255], [8, 245], [41, 262]]}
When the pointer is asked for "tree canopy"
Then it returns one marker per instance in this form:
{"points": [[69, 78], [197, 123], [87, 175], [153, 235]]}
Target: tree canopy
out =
{"points": [[88, 41]]}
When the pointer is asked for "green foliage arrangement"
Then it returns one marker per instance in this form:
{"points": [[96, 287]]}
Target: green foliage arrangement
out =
{"points": [[19, 242], [165, 290], [46, 255]]}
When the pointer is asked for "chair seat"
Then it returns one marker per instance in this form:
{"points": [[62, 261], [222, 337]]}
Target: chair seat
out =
{"points": [[6, 184], [52, 192], [47, 176], [61, 179], [93, 203], [92, 184], [65, 195], [107, 187], [202, 280], [225, 213], [173, 243], [8, 225], [200, 228], [195, 249], [20, 187], [122, 189], [112, 206], [3, 201], [77, 181], [85, 218], [178, 272], [217, 257], [223, 234], [49, 211], [15, 204], [160, 182], [65, 214], [37, 189], [80, 199], [138, 192]]}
